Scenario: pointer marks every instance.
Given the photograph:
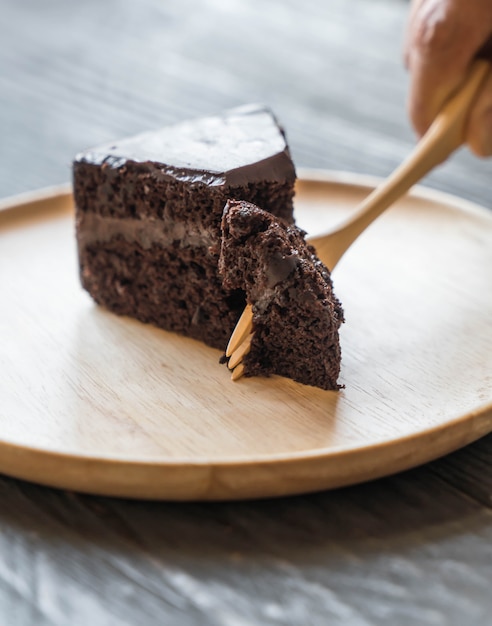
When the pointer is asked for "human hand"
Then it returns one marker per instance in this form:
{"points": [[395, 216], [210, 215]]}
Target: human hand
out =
{"points": [[443, 37]]}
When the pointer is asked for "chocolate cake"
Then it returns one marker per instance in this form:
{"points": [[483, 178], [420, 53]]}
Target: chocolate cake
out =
{"points": [[148, 216], [296, 315]]}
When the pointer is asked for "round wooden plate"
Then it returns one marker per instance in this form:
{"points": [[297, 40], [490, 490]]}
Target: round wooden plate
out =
{"points": [[106, 405]]}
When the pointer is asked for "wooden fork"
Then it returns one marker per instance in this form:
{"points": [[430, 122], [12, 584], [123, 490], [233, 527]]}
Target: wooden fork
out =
{"points": [[445, 135]]}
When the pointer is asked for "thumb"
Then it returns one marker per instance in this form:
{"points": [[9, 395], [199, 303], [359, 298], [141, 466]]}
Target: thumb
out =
{"points": [[441, 41]]}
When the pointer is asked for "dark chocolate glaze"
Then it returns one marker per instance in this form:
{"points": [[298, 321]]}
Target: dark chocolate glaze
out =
{"points": [[239, 147]]}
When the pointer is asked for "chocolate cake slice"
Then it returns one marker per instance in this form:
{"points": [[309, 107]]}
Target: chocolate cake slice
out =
{"points": [[296, 315], [148, 214]]}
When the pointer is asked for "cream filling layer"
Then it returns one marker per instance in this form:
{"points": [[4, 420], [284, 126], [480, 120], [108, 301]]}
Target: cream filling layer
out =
{"points": [[93, 228]]}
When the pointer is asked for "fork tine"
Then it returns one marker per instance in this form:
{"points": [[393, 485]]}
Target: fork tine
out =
{"points": [[237, 372], [240, 352], [242, 330]]}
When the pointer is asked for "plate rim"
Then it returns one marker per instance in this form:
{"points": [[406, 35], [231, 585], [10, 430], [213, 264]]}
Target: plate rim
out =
{"points": [[312, 454]]}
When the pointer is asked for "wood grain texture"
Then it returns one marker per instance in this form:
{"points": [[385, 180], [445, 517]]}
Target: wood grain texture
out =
{"points": [[331, 70], [412, 549], [168, 423]]}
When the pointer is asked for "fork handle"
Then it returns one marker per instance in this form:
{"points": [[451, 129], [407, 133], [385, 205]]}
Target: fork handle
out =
{"points": [[445, 135]]}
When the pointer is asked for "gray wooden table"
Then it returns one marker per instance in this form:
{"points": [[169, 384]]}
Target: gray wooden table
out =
{"points": [[410, 549]]}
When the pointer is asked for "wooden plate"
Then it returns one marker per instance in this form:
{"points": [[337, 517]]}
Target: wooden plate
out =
{"points": [[97, 403]]}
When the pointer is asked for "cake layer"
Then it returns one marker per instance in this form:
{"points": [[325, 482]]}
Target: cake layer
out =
{"points": [[128, 280], [136, 190]]}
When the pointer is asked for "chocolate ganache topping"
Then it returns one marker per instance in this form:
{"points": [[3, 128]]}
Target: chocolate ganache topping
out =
{"points": [[233, 149]]}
